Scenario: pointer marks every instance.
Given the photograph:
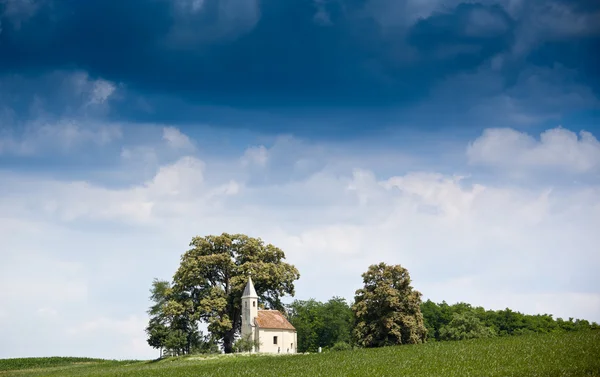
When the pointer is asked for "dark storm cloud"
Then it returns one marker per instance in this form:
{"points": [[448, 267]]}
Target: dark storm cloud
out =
{"points": [[461, 40], [270, 53]]}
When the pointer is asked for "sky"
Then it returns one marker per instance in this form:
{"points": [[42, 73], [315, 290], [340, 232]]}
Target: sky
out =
{"points": [[458, 139]]}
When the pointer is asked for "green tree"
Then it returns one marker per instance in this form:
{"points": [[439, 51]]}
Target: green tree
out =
{"points": [[306, 317], [159, 326], [205, 344], [435, 316], [465, 325], [321, 324], [176, 342], [157, 334], [338, 320], [387, 309], [212, 275], [170, 326]]}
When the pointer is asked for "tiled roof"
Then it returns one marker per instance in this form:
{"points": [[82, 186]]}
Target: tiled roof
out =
{"points": [[273, 319]]}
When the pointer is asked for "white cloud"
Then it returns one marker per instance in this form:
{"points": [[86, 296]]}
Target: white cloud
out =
{"points": [[176, 188], [64, 135], [101, 91], [47, 313], [90, 251], [255, 156], [557, 148], [143, 154], [176, 139], [55, 96], [93, 92]]}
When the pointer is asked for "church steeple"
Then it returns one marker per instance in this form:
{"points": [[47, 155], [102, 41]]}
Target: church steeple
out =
{"points": [[249, 291], [249, 310]]}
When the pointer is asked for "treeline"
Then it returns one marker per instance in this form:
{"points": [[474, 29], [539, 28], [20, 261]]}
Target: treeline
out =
{"points": [[330, 324], [463, 321]]}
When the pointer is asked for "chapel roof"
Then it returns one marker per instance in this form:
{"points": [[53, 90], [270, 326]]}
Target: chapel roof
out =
{"points": [[273, 319]]}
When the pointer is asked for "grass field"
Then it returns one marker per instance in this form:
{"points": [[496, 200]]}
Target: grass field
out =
{"points": [[570, 354]]}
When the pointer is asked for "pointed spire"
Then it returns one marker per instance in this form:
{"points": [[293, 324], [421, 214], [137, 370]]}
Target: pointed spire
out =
{"points": [[249, 291]]}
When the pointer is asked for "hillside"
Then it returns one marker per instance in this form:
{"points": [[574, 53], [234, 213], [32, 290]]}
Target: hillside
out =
{"points": [[566, 354]]}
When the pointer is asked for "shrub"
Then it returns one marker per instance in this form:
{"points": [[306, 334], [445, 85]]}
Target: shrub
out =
{"points": [[465, 326], [341, 346]]}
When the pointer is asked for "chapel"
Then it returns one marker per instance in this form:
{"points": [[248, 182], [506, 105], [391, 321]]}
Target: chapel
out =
{"points": [[274, 333]]}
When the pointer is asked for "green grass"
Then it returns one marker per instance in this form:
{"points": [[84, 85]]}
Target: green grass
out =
{"points": [[567, 354], [43, 362]]}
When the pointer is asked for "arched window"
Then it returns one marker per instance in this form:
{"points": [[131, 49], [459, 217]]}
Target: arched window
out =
{"points": [[254, 304]]}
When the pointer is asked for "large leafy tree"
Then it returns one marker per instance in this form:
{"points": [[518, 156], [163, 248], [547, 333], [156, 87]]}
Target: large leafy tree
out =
{"points": [[387, 309], [213, 273]]}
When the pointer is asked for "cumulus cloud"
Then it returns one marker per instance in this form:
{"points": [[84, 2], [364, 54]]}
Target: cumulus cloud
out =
{"points": [[175, 189], [79, 83], [101, 91], [556, 148], [176, 139], [255, 156], [55, 96], [65, 135]]}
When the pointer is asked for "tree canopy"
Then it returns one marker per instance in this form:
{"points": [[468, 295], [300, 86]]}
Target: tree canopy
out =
{"points": [[321, 324], [213, 273], [387, 309]]}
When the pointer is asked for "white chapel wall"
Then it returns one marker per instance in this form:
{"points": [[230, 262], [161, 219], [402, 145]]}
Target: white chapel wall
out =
{"points": [[286, 341]]}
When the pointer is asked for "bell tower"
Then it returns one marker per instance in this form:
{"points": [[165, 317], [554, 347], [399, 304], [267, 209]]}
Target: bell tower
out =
{"points": [[249, 310]]}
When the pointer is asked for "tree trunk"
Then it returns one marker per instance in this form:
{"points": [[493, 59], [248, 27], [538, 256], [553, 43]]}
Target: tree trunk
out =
{"points": [[230, 335], [228, 341]]}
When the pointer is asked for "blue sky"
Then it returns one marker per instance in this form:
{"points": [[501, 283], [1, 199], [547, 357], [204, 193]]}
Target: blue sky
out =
{"points": [[457, 139]]}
